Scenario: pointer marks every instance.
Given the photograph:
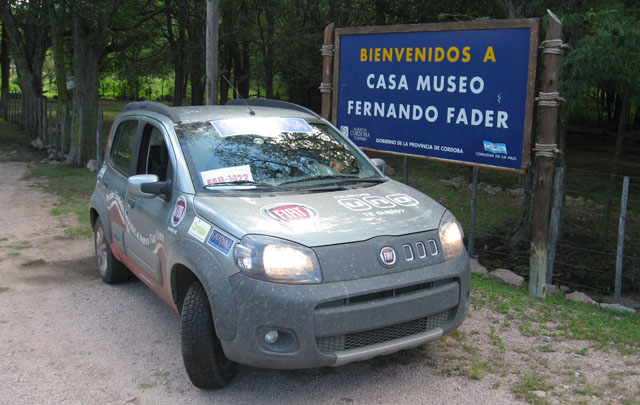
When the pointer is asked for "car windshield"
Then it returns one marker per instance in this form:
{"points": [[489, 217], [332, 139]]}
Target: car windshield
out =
{"points": [[269, 152]]}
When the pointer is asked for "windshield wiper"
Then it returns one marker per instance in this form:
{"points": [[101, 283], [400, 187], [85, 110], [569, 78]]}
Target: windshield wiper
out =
{"points": [[324, 177], [239, 183]]}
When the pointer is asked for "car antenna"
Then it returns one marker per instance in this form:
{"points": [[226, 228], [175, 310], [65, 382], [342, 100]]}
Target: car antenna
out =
{"points": [[238, 93]]}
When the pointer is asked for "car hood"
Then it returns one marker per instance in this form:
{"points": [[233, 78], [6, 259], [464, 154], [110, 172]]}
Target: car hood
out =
{"points": [[325, 218]]}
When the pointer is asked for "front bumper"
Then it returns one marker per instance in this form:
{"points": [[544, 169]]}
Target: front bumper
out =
{"points": [[335, 323]]}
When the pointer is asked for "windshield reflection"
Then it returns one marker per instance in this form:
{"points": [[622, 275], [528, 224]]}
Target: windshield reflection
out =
{"points": [[272, 158]]}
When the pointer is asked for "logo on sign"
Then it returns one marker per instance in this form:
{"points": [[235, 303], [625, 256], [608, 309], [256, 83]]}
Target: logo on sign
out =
{"points": [[496, 148], [289, 212], [388, 256], [345, 130], [178, 211]]}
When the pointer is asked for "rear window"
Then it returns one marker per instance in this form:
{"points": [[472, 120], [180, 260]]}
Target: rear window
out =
{"points": [[122, 149]]}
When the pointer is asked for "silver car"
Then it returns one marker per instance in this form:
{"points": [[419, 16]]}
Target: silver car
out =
{"points": [[277, 240]]}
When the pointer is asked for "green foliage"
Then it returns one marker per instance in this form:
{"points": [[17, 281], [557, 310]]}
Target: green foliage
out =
{"points": [[606, 54]]}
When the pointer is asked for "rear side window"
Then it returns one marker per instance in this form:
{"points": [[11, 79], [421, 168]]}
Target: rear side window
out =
{"points": [[122, 150]]}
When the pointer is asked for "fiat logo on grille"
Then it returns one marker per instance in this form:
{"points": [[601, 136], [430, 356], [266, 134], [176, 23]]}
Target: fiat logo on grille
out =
{"points": [[388, 256]]}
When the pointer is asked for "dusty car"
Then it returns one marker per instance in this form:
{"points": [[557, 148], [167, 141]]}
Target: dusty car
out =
{"points": [[277, 240]]}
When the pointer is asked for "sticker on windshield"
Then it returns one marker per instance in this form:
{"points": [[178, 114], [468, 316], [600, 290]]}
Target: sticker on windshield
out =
{"points": [[178, 211], [260, 126], [220, 241], [289, 212], [199, 229], [227, 175]]}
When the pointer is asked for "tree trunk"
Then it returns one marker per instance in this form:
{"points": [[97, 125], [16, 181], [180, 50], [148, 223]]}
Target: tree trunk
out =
{"points": [[6, 70], [85, 93], [88, 46], [622, 128], [58, 18], [29, 39], [266, 36]]}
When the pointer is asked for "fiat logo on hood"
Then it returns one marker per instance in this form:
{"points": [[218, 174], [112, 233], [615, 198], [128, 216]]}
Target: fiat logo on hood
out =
{"points": [[289, 212], [388, 256]]}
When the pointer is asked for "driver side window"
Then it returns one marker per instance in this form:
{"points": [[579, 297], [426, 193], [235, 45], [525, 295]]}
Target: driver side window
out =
{"points": [[154, 155]]}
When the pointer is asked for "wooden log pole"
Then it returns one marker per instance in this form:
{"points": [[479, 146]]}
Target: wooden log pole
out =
{"points": [[99, 136], [326, 87], [545, 150]]}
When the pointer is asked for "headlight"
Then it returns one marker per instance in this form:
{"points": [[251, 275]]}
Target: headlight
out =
{"points": [[277, 260], [450, 233]]}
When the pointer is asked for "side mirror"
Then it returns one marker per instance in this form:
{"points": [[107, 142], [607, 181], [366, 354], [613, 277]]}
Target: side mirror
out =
{"points": [[147, 186], [380, 164]]}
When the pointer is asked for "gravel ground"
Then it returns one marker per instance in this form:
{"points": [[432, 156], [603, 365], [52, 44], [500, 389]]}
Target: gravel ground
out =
{"points": [[66, 337]]}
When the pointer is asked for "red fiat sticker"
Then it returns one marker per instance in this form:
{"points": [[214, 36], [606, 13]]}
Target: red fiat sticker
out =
{"points": [[178, 211], [289, 212]]}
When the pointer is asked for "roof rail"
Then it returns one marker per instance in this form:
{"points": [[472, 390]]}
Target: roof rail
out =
{"points": [[265, 102], [154, 107]]}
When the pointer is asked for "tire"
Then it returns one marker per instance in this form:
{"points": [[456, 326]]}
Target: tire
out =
{"points": [[109, 268], [202, 353]]}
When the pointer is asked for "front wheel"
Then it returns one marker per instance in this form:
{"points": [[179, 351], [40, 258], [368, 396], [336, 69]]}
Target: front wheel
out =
{"points": [[110, 269], [204, 360]]}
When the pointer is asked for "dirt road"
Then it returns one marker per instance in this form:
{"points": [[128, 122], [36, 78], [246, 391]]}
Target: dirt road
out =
{"points": [[66, 337]]}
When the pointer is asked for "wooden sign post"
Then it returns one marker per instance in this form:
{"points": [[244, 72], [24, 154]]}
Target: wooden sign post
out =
{"points": [[545, 150]]}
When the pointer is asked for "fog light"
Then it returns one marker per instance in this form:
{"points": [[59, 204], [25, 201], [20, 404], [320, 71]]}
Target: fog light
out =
{"points": [[271, 337]]}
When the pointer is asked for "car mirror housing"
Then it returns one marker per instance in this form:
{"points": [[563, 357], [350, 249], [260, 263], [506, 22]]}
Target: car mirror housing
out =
{"points": [[147, 186], [379, 164]]}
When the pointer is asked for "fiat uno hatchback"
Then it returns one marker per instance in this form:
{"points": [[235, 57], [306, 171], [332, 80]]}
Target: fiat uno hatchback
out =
{"points": [[279, 243]]}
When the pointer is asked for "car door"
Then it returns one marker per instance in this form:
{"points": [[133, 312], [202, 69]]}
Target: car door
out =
{"points": [[114, 180], [149, 217]]}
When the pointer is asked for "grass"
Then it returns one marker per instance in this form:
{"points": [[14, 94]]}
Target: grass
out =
{"points": [[530, 383], [3, 289], [572, 320], [72, 187]]}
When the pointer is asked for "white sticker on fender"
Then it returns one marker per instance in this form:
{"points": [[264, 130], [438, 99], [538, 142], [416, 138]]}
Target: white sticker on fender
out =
{"points": [[199, 229]]}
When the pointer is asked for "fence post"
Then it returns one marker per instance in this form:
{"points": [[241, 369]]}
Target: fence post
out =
{"points": [[620, 253], [80, 135], [98, 136], [64, 131], [43, 118], [326, 87], [472, 220], [556, 215]]}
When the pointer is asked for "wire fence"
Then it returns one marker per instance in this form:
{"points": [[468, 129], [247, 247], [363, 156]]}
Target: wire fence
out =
{"points": [[587, 243], [44, 119]]}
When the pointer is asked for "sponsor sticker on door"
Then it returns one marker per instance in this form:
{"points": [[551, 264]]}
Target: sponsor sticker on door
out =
{"points": [[178, 211], [199, 229]]}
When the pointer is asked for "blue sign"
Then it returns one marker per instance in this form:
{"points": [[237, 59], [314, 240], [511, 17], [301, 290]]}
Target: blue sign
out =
{"points": [[449, 95]]}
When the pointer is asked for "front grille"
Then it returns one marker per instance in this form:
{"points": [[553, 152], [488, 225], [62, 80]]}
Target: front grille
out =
{"points": [[354, 340], [393, 293]]}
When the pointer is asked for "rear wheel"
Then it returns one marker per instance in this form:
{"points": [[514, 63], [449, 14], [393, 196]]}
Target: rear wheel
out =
{"points": [[110, 269], [204, 360]]}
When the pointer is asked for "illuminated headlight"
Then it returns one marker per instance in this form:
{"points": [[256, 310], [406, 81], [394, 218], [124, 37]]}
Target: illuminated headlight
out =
{"points": [[450, 233], [276, 260]]}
